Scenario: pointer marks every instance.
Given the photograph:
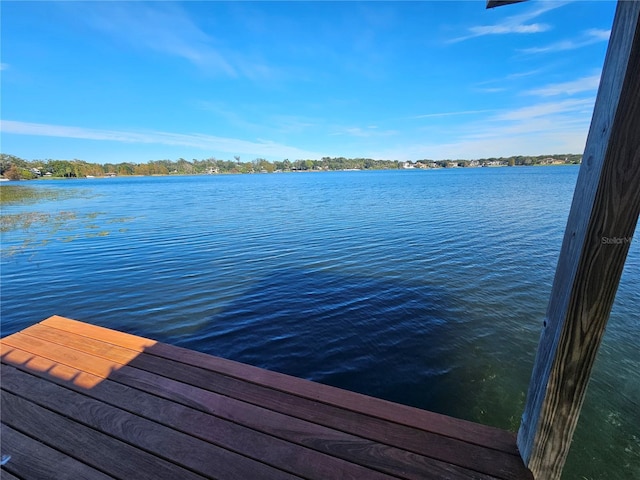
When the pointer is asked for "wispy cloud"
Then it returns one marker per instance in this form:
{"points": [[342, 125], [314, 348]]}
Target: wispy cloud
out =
{"points": [[558, 127], [366, 132], [168, 29], [450, 114], [528, 73], [200, 141], [230, 116], [588, 37], [489, 86], [518, 24], [275, 122], [490, 89], [293, 123], [161, 27], [4, 66], [505, 143], [598, 34], [481, 30], [552, 124], [584, 84], [545, 110]]}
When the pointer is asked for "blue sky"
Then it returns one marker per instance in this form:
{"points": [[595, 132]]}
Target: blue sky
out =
{"points": [[138, 81]]}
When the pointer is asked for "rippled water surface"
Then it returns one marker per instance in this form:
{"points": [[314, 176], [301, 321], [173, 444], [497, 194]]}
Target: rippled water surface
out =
{"points": [[423, 287]]}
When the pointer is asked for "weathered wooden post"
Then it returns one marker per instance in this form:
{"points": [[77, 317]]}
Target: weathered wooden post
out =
{"points": [[601, 223]]}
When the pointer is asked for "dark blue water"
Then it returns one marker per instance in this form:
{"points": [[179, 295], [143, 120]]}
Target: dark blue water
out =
{"points": [[422, 287]]}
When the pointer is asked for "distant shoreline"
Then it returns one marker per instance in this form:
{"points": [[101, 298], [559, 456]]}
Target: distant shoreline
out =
{"points": [[15, 168], [105, 177]]}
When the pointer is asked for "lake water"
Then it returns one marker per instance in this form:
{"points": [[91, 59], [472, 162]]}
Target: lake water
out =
{"points": [[422, 287]]}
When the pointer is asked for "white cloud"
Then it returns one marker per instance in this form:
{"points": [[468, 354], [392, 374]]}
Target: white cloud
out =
{"points": [[519, 24], [598, 34], [503, 29], [289, 124], [527, 138], [534, 129], [491, 90], [166, 28], [488, 86], [584, 84], [162, 28], [549, 127], [588, 37], [545, 110], [450, 114], [195, 140], [369, 131], [528, 73], [4, 66]]}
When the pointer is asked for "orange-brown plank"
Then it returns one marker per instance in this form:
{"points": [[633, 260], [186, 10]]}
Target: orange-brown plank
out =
{"points": [[465, 455], [268, 449], [164, 442], [98, 366], [108, 335], [87, 445], [34, 460], [468, 431], [99, 348]]}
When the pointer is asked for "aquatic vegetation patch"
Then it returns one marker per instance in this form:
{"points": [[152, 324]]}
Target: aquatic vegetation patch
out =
{"points": [[38, 229], [31, 230], [25, 195], [34, 220]]}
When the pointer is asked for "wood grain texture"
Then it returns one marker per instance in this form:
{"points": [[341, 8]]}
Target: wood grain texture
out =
{"points": [[5, 475], [200, 414], [171, 445], [601, 223], [417, 443], [219, 432], [258, 432], [115, 337], [429, 421], [423, 443], [34, 460], [103, 452]]}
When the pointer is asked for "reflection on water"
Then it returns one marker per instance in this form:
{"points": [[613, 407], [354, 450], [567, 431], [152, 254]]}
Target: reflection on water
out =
{"points": [[427, 288]]}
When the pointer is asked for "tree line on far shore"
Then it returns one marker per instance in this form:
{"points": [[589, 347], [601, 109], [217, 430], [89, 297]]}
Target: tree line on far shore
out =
{"points": [[16, 168]]}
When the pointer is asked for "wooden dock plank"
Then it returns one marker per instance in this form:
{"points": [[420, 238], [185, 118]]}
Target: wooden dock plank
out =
{"points": [[107, 335], [263, 439], [390, 459], [281, 454], [443, 448], [33, 459], [99, 348], [360, 450], [176, 447], [429, 421], [425, 444], [5, 475], [221, 419], [102, 452]]}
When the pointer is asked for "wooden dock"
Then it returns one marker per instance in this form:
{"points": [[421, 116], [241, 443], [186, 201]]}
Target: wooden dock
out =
{"points": [[81, 401]]}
